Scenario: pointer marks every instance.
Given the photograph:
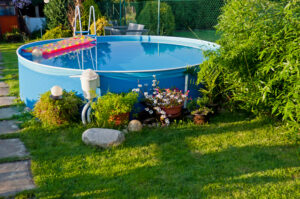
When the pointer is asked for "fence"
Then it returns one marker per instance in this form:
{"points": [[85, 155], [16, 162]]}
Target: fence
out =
{"points": [[189, 15]]}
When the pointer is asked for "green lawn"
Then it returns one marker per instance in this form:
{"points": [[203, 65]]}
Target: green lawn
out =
{"points": [[235, 156], [10, 72], [207, 35]]}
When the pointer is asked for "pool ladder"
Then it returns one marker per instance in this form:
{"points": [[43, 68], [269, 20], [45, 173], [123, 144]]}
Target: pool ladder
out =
{"points": [[77, 14]]}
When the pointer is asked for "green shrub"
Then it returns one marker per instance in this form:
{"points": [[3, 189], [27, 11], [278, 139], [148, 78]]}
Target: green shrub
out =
{"points": [[56, 13], [57, 32], [14, 36], [100, 24], [148, 17], [111, 105], [85, 12], [259, 57], [57, 112]]}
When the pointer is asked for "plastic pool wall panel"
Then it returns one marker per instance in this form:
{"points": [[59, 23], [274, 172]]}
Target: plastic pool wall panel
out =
{"points": [[33, 83]]}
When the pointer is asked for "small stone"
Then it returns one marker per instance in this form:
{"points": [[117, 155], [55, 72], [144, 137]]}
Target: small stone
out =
{"points": [[135, 125], [102, 137], [27, 109]]}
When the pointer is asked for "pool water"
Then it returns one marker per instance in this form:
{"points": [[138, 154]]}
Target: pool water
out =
{"points": [[127, 56]]}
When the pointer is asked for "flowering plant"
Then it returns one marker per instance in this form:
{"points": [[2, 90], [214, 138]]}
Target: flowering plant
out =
{"points": [[21, 3], [160, 99], [166, 98]]}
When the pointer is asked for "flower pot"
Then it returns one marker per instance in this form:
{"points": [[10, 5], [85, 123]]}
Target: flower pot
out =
{"points": [[200, 119], [173, 112], [119, 119]]}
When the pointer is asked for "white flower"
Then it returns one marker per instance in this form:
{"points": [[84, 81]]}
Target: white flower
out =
{"points": [[136, 90], [162, 117], [146, 93], [155, 101], [172, 96], [162, 112], [151, 112], [147, 109], [154, 76], [154, 81], [153, 85], [154, 92], [167, 121], [179, 101], [140, 85]]}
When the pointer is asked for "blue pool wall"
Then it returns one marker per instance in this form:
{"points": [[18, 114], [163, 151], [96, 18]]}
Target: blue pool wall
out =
{"points": [[36, 78]]}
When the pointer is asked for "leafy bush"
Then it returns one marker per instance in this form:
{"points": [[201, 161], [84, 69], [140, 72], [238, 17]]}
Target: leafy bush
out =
{"points": [[57, 32], [14, 36], [57, 112], [111, 105], [85, 12], [100, 24], [148, 17], [259, 57], [56, 13]]}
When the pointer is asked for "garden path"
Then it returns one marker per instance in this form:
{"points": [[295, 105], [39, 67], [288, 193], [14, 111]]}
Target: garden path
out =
{"points": [[15, 172]]}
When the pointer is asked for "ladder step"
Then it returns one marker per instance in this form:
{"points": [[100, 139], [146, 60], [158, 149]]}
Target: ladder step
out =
{"points": [[84, 32]]}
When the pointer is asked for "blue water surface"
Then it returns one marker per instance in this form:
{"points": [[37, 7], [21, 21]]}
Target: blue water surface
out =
{"points": [[127, 56]]}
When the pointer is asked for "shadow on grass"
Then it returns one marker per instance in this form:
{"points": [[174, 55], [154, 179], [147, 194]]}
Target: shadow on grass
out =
{"points": [[186, 176], [177, 170]]}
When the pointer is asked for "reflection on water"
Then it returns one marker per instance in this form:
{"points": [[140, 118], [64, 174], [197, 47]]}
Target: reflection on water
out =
{"points": [[126, 56]]}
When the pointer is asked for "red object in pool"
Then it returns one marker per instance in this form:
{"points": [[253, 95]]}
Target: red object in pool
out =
{"points": [[62, 46]]}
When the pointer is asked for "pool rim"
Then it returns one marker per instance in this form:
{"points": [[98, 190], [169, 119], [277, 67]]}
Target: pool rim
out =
{"points": [[203, 43]]}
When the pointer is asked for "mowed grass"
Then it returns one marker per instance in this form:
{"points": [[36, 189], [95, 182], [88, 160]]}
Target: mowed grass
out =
{"points": [[207, 35], [235, 156], [10, 62]]}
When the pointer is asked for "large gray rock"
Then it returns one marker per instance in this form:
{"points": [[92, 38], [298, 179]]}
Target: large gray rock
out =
{"points": [[102, 137]]}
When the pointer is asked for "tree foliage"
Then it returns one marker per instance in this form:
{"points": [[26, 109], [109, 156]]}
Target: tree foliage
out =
{"points": [[148, 16], [56, 13]]}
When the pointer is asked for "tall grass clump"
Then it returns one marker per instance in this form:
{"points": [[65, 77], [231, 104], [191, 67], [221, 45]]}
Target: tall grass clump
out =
{"points": [[259, 56]]}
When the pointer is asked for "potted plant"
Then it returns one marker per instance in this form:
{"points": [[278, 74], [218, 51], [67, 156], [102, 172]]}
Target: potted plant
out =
{"points": [[201, 115], [113, 109], [170, 101], [166, 102]]}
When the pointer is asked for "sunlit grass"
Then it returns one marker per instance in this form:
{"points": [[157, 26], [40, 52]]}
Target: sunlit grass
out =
{"points": [[235, 156], [10, 71]]}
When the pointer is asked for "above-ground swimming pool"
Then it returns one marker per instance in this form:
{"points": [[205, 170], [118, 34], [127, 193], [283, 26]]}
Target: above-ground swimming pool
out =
{"points": [[121, 62]]}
